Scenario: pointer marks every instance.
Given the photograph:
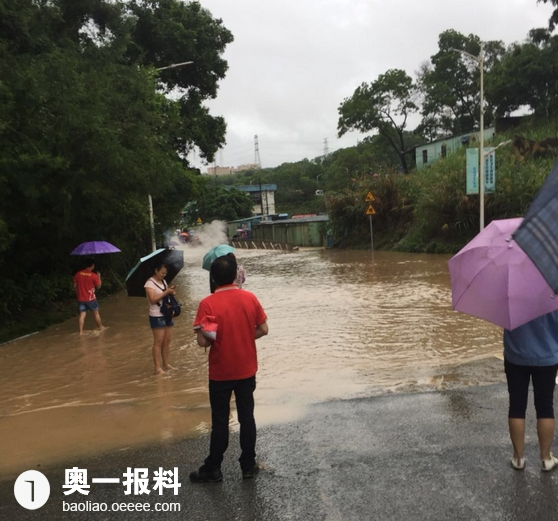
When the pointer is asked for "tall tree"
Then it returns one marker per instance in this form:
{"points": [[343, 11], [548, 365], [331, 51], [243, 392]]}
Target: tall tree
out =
{"points": [[553, 20], [527, 76], [450, 84], [87, 132], [170, 32], [383, 105]]}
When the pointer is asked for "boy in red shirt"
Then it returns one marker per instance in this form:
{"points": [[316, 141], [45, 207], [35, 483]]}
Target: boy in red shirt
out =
{"points": [[240, 320], [85, 283]]}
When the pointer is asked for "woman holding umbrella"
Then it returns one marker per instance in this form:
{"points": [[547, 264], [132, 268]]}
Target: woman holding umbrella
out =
{"points": [[155, 289]]}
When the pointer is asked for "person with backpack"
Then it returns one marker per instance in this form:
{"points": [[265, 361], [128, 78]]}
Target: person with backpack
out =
{"points": [[156, 289]]}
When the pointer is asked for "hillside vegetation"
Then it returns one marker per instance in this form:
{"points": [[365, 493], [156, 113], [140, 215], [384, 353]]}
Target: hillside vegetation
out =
{"points": [[429, 210]]}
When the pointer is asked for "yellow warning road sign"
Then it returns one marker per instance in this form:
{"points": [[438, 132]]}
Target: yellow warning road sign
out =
{"points": [[198, 220], [370, 198], [370, 210]]}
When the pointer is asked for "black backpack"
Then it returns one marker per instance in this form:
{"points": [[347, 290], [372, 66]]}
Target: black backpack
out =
{"points": [[170, 307]]}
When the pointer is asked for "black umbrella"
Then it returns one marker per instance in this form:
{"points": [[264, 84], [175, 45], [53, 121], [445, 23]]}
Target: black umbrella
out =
{"points": [[173, 259], [538, 234]]}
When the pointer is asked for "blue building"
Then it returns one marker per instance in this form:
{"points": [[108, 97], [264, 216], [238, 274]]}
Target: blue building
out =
{"points": [[428, 154]]}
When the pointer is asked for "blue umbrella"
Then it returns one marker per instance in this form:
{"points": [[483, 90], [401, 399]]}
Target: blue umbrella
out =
{"points": [[173, 259], [214, 253], [538, 234]]}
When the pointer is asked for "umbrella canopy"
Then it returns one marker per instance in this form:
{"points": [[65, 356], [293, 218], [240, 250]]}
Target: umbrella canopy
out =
{"points": [[492, 278], [538, 234], [94, 248], [174, 260], [214, 253]]}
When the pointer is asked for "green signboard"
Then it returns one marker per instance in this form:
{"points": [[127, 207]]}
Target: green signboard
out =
{"points": [[472, 170]]}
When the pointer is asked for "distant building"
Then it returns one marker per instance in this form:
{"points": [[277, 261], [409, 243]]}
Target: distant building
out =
{"points": [[229, 170], [243, 168], [262, 195], [428, 154], [220, 170]]}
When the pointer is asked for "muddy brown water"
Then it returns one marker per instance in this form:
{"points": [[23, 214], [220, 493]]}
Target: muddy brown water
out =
{"points": [[342, 324]]}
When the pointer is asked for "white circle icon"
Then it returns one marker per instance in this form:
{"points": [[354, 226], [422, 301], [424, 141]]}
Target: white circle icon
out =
{"points": [[32, 489]]}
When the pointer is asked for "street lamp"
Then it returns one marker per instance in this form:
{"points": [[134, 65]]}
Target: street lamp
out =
{"points": [[149, 198], [173, 65], [480, 60]]}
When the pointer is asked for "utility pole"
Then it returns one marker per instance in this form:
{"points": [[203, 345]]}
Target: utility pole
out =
{"points": [[261, 196], [257, 160], [480, 60], [151, 222], [326, 148]]}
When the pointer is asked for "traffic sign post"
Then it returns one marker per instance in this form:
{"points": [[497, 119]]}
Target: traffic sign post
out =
{"points": [[370, 212]]}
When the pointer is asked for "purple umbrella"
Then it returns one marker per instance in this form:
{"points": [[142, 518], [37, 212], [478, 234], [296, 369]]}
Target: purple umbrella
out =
{"points": [[492, 278], [95, 248]]}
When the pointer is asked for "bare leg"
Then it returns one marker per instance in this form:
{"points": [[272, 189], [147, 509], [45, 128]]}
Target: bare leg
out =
{"points": [[517, 435], [166, 349], [81, 321], [98, 320], [158, 335], [545, 432]]}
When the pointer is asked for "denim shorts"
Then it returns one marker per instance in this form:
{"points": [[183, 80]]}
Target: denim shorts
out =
{"points": [[159, 322], [92, 305]]}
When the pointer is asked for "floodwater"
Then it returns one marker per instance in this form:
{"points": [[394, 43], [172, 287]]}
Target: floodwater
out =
{"points": [[342, 324]]}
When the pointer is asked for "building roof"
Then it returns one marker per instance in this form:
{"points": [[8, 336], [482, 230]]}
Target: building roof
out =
{"points": [[245, 219], [269, 187], [310, 219], [461, 137]]}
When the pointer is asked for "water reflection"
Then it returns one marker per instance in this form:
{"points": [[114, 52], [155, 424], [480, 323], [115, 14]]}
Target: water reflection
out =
{"points": [[340, 326]]}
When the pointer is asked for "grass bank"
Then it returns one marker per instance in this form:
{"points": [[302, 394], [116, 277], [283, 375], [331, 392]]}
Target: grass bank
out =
{"points": [[429, 211]]}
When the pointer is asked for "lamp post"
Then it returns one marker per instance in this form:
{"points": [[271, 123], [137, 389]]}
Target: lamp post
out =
{"points": [[149, 198], [173, 66], [480, 60]]}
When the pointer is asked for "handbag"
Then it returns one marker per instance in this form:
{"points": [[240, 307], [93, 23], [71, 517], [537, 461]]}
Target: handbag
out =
{"points": [[170, 307]]}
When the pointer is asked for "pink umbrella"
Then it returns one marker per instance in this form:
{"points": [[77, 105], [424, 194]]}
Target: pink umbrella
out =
{"points": [[493, 279]]}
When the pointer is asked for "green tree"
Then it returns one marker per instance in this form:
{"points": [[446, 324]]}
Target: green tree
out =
{"points": [[527, 76], [383, 105], [450, 83], [218, 203], [553, 20], [87, 132], [171, 31]]}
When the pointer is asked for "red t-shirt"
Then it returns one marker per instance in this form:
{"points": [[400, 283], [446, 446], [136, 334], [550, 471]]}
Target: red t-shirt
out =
{"points": [[237, 312], [86, 281]]}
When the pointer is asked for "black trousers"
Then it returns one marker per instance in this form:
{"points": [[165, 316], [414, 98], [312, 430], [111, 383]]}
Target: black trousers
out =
{"points": [[220, 399], [544, 382]]}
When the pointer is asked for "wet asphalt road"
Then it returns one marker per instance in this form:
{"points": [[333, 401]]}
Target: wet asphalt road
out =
{"points": [[431, 456]]}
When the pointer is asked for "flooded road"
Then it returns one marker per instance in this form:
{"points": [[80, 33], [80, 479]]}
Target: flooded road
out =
{"points": [[341, 325]]}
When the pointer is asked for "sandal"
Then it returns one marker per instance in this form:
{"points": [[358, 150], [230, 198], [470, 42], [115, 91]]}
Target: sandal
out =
{"points": [[549, 464], [519, 463]]}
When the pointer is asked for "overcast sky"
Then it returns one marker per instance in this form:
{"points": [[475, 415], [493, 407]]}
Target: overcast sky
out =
{"points": [[293, 62]]}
